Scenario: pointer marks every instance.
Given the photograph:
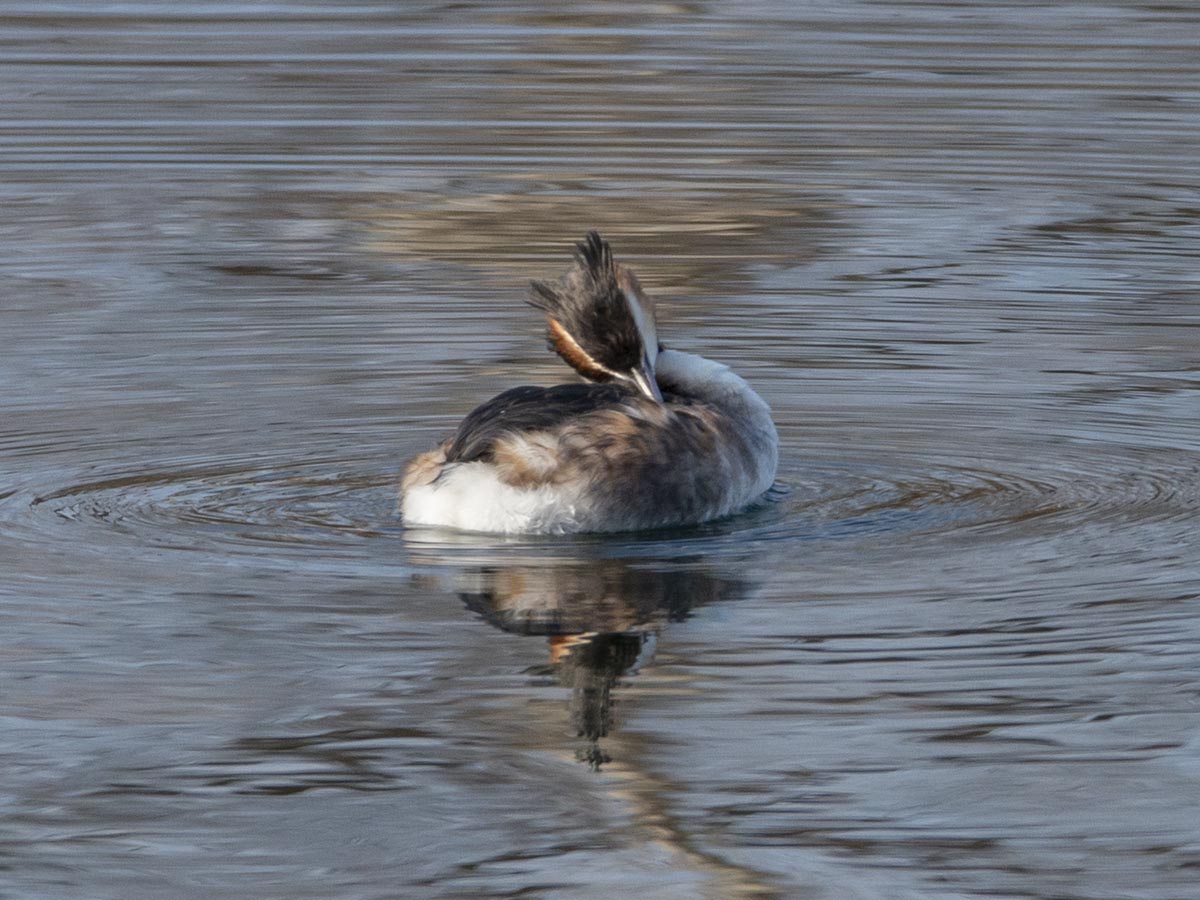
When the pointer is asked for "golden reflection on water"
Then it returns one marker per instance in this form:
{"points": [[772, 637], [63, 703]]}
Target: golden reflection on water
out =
{"points": [[693, 244]]}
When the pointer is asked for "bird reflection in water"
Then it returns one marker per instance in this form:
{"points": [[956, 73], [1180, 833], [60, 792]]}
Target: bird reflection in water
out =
{"points": [[601, 619]]}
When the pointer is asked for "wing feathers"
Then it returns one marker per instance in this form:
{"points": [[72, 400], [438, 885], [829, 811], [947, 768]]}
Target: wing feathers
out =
{"points": [[528, 409]]}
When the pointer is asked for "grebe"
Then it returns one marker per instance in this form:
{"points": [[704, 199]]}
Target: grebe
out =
{"points": [[655, 438]]}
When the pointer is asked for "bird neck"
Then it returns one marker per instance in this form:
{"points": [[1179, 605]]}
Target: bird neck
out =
{"points": [[697, 378]]}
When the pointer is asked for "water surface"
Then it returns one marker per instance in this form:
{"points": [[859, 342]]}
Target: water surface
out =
{"points": [[255, 255]]}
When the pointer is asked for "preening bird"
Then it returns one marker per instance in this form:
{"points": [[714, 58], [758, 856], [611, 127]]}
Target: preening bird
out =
{"points": [[653, 437]]}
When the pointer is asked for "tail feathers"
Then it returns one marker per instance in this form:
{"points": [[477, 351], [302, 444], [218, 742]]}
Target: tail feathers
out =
{"points": [[423, 469]]}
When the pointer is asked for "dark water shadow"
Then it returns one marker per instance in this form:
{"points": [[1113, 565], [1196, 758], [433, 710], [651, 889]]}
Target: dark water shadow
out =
{"points": [[600, 617]]}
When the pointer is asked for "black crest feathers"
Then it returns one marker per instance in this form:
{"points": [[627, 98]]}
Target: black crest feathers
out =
{"points": [[595, 274], [595, 255], [589, 305]]}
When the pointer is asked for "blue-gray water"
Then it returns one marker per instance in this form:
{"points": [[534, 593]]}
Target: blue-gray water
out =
{"points": [[254, 255]]}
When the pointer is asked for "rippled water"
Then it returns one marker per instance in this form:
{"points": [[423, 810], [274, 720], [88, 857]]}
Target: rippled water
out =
{"points": [[254, 255]]}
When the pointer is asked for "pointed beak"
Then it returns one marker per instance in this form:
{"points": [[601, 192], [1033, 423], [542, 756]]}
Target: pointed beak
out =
{"points": [[643, 377]]}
